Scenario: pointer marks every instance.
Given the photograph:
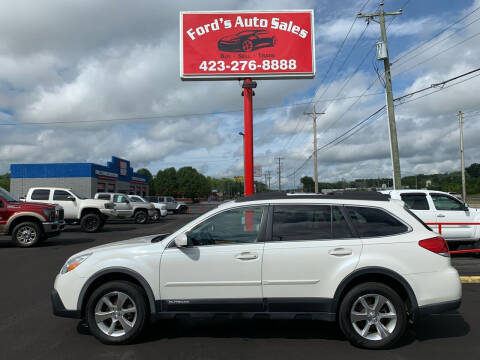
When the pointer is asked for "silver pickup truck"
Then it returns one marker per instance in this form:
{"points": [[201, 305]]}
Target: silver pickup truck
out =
{"points": [[141, 212]]}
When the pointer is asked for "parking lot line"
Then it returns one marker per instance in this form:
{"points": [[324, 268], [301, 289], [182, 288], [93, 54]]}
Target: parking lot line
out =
{"points": [[470, 279]]}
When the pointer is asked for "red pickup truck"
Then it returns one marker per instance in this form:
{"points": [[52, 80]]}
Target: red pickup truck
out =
{"points": [[29, 223]]}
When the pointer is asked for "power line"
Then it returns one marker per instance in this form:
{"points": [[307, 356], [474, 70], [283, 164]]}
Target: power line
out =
{"points": [[434, 36]]}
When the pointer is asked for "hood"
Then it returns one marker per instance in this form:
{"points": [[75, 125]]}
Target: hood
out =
{"points": [[230, 37], [29, 205], [135, 242]]}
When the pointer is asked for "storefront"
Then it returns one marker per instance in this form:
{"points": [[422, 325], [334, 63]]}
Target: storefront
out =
{"points": [[84, 178]]}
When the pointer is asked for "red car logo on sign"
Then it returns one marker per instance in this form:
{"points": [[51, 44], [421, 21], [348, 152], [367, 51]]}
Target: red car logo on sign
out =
{"points": [[246, 41]]}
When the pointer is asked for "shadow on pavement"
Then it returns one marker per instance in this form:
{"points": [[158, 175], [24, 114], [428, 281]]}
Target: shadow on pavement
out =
{"points": [[433, 327]]}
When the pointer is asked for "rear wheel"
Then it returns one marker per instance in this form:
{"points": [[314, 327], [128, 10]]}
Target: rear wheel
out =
{"points": [[116, 312], [156, 217], [91, 223], [26, 234], [373, 316], [247, 45]]}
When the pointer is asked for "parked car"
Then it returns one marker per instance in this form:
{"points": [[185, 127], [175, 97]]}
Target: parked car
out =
{"points": [[90, 213], [177, 207], [28, 223], [361, 260], [160, 208], [126, 208], [437, 207]]}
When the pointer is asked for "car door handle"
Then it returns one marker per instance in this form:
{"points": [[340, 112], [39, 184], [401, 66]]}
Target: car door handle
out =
{"points": [[440, 215], [340, 252], [246, 256]]}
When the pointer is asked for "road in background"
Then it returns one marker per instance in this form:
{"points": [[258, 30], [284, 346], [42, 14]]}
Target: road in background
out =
{"points": [[28, 329]]}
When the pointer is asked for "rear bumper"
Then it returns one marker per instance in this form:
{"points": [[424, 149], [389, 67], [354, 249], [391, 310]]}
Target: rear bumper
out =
{"points": [[439, 308], [59, 309]]}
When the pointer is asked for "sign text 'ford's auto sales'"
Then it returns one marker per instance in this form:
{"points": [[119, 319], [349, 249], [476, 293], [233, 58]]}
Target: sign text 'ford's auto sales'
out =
{"points": [[257, 44]]}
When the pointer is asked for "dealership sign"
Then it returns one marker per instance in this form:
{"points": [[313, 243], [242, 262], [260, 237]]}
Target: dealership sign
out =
{"points": [[243, 44]]}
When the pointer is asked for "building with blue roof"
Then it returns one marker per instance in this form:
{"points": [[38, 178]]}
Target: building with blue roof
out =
{"points": [[84, 178]]}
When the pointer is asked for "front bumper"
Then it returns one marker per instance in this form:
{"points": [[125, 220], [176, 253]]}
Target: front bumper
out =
{"points": [[59, 308], [53, 226], [163, 212]]}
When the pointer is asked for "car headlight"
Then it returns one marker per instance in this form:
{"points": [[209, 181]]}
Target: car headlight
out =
{"points": [[49, 214], [73, 263], [164, 207], [152, 206]]}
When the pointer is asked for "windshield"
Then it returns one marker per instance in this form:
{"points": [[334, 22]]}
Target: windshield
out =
{"points": [[7, 196], [81, 197]]}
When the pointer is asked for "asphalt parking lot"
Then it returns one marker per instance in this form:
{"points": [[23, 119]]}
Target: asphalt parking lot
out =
{"points": [[28, 329]]}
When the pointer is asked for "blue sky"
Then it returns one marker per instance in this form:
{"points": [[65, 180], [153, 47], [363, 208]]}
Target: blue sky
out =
{"points": [[124, 64]]}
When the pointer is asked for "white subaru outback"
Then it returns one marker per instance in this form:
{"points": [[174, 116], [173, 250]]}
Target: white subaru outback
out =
{"points": [[360, 259]]}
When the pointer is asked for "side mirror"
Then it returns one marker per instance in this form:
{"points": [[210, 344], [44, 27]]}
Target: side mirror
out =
{"points": [[22, 198], [465, 207], [181, 240], [71, 198]]}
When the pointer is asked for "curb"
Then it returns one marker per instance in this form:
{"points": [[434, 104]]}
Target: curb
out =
{"points": [[470, 279]]}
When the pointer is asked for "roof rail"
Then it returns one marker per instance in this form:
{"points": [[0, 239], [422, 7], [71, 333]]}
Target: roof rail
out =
{"points": [[347, 195]]}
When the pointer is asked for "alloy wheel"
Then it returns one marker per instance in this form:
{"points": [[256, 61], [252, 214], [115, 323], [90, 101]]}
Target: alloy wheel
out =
{"points": [[115, 314], [26, 235], [373, 317]]}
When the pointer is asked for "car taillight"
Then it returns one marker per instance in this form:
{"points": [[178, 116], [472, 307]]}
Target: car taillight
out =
{"points": [[436, 244]]}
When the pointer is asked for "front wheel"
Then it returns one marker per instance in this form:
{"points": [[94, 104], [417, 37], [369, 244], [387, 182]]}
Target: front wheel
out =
{"points": [[141, 217], [116, 312], [373, 316], [26, 234], [91, 223], [156, 217]]}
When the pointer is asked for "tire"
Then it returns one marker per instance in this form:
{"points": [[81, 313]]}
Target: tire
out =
{"points": [[91, 223], [182, 210], [127, 325], [26, 234], [392, 327], [157, 215], [141, 217], [247, 45]]}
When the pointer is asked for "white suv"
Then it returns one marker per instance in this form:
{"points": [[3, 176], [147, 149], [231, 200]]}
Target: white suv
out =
{"points": [[360, 259], [441, 207]]}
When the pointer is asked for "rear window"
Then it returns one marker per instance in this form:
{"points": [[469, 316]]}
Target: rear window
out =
{"points": [[373, 222], [308, 222], [103, 196], [40, 194], [415, 201]]}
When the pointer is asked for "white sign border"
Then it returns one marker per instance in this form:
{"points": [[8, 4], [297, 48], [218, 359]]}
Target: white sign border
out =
{"points": [[256, 76]]}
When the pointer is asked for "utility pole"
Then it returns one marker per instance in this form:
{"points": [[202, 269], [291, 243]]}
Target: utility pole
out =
{"points": [[464, 189], [279, 174], [315, 153], [382, 54]]}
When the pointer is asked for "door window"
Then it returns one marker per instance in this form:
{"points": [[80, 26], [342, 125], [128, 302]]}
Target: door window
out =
{"points": [[443, 202], [40, 194], [304, 222], [103, 197], [415, 201], [120, 199], [234, 226], [371, 222], [61, 195]]}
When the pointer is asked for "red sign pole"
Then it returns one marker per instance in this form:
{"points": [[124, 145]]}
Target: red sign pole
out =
{"points": [[248, 86]]}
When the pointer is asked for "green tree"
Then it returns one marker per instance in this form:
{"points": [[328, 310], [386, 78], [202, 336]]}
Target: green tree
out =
{"points": [[308, 184], [151, 185], [5, 181], [191, 183], [473, 170], [166, 182]]}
